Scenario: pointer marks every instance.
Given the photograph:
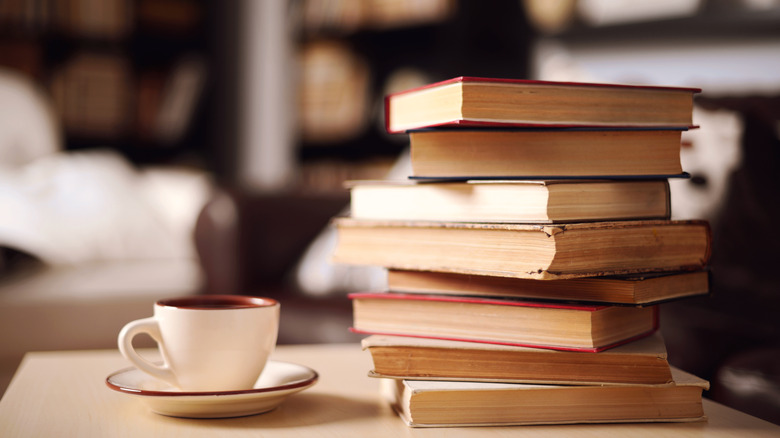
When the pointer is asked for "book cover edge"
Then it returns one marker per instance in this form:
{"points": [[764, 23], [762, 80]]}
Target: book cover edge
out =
{"points": [[476, 300], [517, 344], [472, 79]]}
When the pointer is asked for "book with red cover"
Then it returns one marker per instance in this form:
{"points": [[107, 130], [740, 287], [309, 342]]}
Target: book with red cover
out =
{"points": [[475, 101], [569, 327]]}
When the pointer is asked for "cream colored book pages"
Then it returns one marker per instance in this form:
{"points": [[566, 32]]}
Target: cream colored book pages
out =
{"points": [[523, 202], [509, 201]]}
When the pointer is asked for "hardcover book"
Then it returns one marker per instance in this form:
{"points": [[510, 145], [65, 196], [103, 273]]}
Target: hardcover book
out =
{"points": [[643, 361], [545, 153], [501, 321], [423, 403], [474, 101], [525, 250], [647, 289], [510, 201]]}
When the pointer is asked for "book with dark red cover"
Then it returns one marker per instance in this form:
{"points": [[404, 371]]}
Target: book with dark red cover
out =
{"points": [[557, 326], [499, 102]]}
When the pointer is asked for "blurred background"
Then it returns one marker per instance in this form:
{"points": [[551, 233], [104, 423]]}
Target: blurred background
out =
{"points": [[151, 148]]}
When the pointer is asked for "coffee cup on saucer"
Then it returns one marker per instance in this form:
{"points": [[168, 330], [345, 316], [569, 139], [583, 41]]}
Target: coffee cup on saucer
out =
{"points": [[207, 342]]}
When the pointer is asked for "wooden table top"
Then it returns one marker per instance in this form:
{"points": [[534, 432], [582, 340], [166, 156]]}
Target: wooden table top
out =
{"points": [[64, 394]]}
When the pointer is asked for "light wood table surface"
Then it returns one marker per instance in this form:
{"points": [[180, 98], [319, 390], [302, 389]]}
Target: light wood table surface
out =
{"points": [[64, 394]]}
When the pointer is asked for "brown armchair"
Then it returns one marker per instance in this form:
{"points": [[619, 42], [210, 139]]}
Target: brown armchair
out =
{"points": [[250, 244]]}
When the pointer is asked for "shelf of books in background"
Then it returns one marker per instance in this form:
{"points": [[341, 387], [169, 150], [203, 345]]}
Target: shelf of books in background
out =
{"points": [[528, 254], [341, 85], [120, 73]]}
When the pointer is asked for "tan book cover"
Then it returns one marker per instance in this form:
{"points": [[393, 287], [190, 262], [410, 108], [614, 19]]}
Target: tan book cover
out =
{"points": [[447, 404], [545, 153], [525, 250], [636, 289]]}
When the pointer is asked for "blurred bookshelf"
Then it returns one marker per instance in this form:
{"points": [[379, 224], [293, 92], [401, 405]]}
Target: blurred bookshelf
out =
{"points": [[165, 81], [594, 21], [725, 47], [352, 53], [129, 75]]}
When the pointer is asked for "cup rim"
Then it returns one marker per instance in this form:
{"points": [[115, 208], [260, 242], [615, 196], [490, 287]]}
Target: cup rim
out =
{"points": [[224, 302]]}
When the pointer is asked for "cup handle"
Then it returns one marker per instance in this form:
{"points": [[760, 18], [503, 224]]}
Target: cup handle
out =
{"points": [[125, 342]]}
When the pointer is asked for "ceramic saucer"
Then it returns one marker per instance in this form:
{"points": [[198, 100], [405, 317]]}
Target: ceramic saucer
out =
{"points": [[279, 380]]}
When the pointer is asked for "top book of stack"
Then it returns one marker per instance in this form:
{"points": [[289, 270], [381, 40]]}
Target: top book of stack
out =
{"points": [[484, 102]]}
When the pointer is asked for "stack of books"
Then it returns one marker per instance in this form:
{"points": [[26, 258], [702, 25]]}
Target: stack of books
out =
{"points": [[527, 255]]}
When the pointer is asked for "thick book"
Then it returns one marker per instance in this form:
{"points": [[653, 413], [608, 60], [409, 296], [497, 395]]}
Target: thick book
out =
{"points": [[422, 403], [510, 201], [474, 101], [573, 327], [525, 250], [643, 361], [641, 290], [545, 153]]}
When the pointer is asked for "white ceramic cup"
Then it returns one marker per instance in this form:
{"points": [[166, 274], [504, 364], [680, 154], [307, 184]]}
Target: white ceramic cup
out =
{"points": [[207, 342]]}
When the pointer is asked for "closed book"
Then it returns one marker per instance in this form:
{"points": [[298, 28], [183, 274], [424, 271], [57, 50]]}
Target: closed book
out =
{"points": [[510, 201], [545, 153], [525, 250], [422, 403], [555, 326], [637, 289], [475, 101], [643, 361]]}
